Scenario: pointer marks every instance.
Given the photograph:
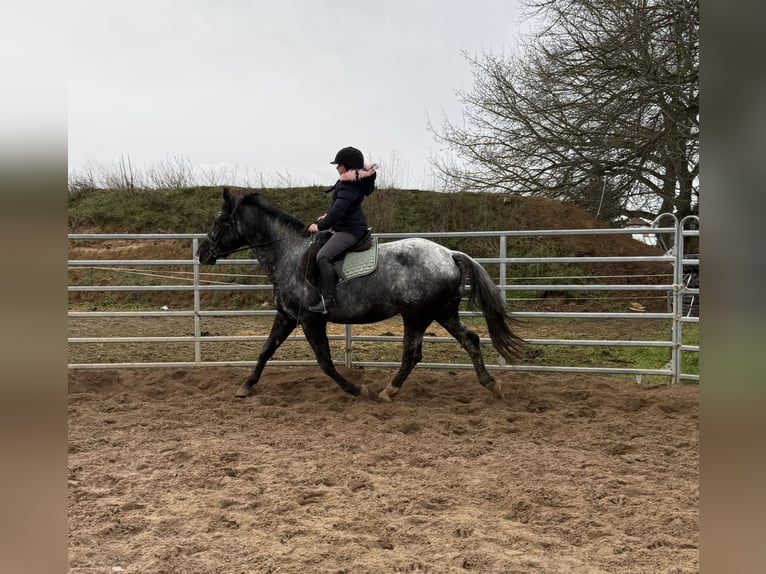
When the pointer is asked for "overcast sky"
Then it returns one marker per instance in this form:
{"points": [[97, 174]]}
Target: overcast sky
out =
{"points": [[274, 87]]}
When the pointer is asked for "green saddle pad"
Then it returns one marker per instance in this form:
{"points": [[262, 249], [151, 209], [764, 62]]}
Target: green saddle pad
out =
{"points": [[359, 263]]}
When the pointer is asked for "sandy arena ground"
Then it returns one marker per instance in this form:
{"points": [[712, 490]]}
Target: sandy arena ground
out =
{"points": [[170, 473]]}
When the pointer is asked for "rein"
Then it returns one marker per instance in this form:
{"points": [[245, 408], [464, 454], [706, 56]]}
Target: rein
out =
{"points": [[215, 238], [220, 255]]}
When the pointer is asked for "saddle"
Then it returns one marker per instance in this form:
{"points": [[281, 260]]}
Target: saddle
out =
{"points": [[357, 261], [365, 243]]}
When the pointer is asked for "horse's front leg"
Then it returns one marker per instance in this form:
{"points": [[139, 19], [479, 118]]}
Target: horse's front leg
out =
{"points": [[280, 330], [316, 334]]}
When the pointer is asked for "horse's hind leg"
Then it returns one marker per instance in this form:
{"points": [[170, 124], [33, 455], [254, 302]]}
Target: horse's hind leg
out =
{"points": [[280, 329], [470, 342], [316, 334], [411, 355]]}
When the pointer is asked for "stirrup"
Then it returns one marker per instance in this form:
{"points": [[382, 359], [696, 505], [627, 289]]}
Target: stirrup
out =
{"points": [[322, 306]]}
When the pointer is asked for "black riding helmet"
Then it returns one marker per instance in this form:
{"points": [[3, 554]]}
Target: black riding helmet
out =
{"points": [[351, 157]]}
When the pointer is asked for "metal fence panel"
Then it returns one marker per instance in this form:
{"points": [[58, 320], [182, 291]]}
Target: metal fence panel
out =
{"points": [[679, 291]]}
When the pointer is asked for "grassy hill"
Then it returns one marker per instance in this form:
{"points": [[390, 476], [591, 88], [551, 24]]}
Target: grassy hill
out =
{"points": [[191, 210]]}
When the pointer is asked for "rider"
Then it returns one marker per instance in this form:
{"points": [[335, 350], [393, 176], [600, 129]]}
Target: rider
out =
{"points": [[345, 217]]}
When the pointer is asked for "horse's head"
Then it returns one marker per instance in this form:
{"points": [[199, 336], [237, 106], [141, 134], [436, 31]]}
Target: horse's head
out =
{"points": [[225, 237]]}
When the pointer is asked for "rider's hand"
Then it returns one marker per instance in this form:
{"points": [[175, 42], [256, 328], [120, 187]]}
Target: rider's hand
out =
{"points": [[313, 228]]}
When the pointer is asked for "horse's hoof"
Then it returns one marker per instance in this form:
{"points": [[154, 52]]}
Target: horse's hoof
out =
{"points": [[388, 393], [364, 392], [244, 391], [496, 388]]}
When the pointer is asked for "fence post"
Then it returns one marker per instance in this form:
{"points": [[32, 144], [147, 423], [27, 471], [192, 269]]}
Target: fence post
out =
{"points": [[347, 352], [678, 281], [675, 298], [683, 287], [503, 256], [197, 305], [502, 280]]}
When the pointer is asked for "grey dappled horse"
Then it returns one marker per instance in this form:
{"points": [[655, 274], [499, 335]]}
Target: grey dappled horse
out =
{"points": [[415, 278]]}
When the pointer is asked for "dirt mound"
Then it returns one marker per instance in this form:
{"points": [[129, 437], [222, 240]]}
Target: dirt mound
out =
{"points": [[520, 213], [168, 472]]}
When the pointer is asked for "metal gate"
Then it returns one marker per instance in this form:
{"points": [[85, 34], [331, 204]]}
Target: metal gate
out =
{"points": [[680, 291]]}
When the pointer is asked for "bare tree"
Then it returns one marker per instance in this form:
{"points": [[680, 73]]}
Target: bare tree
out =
{"points": [[392, 172], [172, 172], [601, 108]]}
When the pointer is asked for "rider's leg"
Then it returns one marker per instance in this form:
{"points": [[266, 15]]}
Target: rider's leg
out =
{"points": [[327, 286], [335, 246]]}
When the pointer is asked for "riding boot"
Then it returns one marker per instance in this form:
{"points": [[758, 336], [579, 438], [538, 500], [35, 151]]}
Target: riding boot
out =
{"points": [[327, 282]]}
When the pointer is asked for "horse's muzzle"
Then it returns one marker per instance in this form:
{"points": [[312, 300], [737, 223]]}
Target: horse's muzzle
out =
{"points": [[205, 253]]}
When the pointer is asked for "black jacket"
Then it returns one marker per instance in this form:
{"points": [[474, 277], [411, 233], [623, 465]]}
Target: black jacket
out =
{"points": [[345, 212]]}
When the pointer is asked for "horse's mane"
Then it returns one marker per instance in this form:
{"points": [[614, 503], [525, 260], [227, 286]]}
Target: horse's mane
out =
{"points": [[256, 200]]}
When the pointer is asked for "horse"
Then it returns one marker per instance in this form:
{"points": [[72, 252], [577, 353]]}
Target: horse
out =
{"points": [[416, 278]]}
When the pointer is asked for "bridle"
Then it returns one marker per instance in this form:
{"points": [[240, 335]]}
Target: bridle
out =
{"points": [[225, 221]]}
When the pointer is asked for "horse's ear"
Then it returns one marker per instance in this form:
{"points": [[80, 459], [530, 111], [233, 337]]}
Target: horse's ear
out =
{"points": [[226, 195]]}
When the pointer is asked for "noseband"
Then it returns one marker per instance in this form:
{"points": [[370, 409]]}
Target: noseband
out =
{"points": [[214, 237]]}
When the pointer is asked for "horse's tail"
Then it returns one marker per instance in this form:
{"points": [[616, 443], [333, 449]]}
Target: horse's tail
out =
{"points": [[492, 306]]}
